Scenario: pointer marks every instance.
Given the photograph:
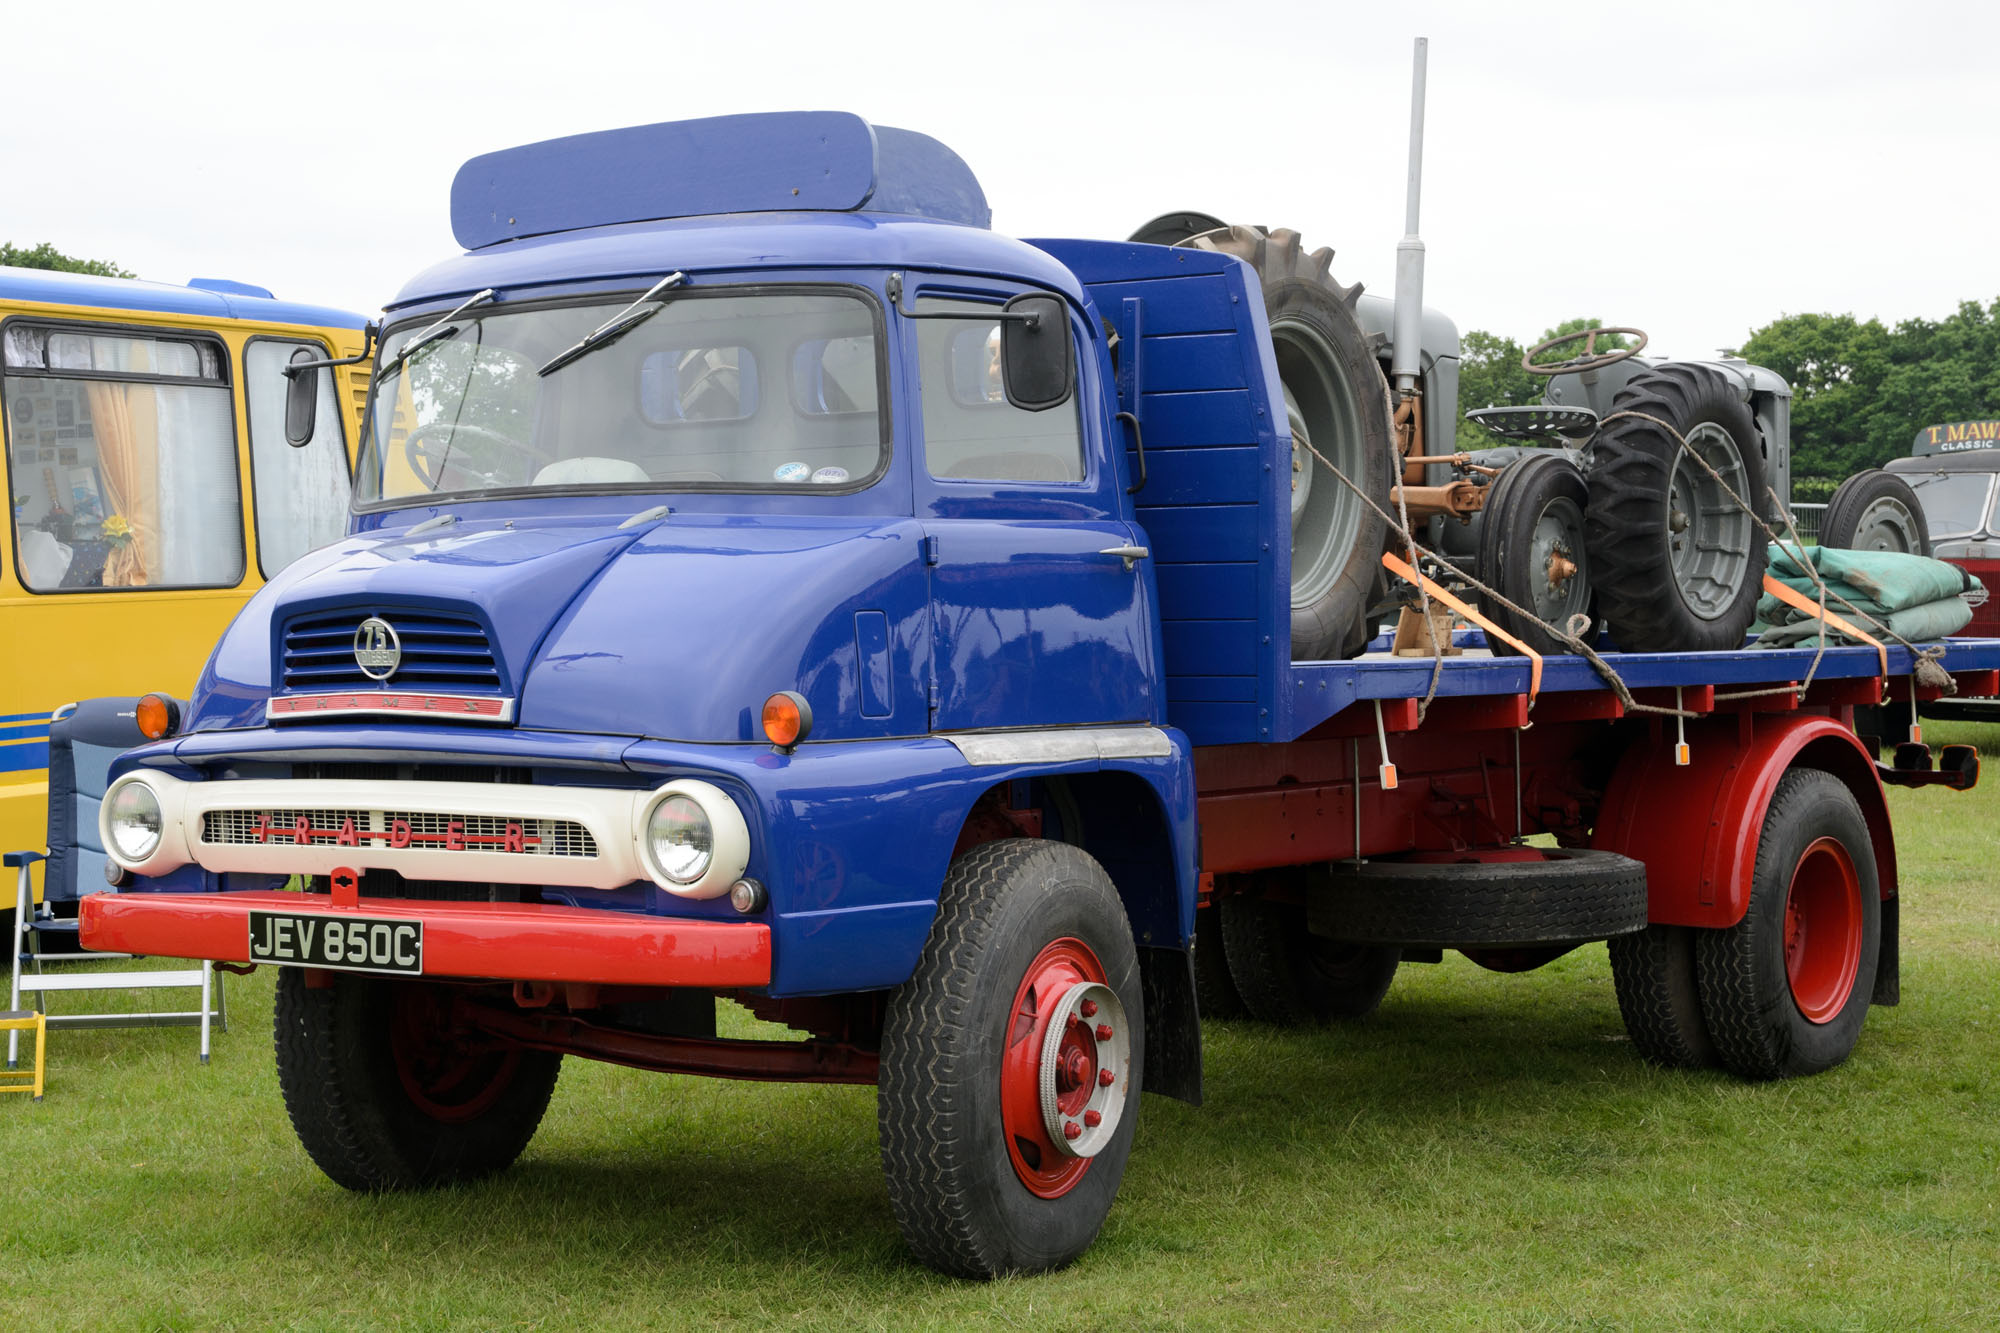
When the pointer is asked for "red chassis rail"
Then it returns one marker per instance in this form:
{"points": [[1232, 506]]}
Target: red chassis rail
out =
{"points": [[506, 941]]}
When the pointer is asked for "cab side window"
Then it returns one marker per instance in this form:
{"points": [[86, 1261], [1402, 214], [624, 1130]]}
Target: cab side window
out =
{"points": [[301, 494], [121, 459], [971, 431]]}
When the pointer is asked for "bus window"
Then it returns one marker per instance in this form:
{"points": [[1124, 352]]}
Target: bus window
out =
{"points": [[301, 494], [121, 457]]}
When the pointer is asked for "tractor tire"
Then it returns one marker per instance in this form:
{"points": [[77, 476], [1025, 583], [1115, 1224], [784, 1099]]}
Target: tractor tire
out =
{"points": [[1026, 997], [1875, 511], [1786, 989], [1292, 978], [384, 1097], [1653, 971], [1531, 549], [1336, 402], [1547, 896], [1215, 994], [1677, 564]]}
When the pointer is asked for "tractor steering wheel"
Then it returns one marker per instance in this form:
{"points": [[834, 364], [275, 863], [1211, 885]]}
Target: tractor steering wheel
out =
{"points": [[1589, 359], [430, 449]]}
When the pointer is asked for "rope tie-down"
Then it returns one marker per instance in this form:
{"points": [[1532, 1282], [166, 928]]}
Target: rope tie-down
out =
{"points": [[1925, 668]]}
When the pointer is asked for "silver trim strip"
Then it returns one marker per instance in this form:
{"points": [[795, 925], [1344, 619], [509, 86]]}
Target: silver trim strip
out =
{"points": [[1060, 745], [276, 711]]}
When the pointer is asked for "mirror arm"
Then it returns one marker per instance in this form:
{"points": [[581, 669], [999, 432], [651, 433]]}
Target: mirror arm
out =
{"points": [[369, 332]]}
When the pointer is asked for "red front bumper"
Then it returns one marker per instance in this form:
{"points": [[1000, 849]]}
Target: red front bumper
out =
{"points": [[505, 941]]}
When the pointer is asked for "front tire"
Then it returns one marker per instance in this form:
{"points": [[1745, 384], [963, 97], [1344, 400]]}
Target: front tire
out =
{"points": [[386, 1095], [1786, 989], [1027, 995], [1876, 511]]}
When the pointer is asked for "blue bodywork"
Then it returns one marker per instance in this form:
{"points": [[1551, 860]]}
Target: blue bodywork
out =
{"points": [[210, 298]]}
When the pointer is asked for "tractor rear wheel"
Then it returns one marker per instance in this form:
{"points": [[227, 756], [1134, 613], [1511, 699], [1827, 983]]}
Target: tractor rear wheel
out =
{"points": [[1677, 562], [1337, 405]]}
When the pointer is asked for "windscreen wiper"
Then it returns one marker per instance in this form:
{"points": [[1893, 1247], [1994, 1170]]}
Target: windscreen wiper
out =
{"points": [[437, 332], [631, 317]]}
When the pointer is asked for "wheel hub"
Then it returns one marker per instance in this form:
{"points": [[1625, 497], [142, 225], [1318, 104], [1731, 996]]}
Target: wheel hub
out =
{"points": [[1065, 1075], [1823, 930], [1709, 538]]}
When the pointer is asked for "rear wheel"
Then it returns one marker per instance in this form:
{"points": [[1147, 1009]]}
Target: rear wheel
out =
{"points": [[1337, 406], [1876, 511], [387, 1094], [1786, 989], [1677, 563], [1011, 1064], [1293, 978], [1654, 973]]}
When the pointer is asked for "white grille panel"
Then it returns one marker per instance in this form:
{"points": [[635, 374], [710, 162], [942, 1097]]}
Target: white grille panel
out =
{"points": [[428, 830]]}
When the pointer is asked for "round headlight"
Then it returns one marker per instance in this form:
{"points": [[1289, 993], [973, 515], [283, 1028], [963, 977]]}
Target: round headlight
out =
{"points": [[134, 823], [680, 838]]}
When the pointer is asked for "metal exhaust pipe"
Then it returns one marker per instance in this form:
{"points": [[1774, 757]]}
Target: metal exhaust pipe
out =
{"points": [[1406, 362]]}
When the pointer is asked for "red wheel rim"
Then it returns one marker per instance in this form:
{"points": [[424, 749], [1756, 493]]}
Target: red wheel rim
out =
{"points": [[1823, 930], [1045, 1169], [452, 1077]]}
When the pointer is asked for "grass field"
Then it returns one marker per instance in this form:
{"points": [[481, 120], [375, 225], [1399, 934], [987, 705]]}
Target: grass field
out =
{"points": [[1486, 1151]]}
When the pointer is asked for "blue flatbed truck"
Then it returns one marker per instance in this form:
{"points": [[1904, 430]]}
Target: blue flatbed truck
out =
{"points": [[767, 583]]}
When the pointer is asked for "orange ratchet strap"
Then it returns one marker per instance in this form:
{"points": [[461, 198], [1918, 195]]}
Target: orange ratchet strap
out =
{"points": [[1396, 565], [1792, 597]]}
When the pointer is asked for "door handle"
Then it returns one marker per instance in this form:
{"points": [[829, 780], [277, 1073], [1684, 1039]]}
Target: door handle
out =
{"points": [[1127, 553]]}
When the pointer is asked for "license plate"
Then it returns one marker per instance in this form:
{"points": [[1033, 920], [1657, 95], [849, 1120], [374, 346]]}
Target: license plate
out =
{"points": [[344, 943]]}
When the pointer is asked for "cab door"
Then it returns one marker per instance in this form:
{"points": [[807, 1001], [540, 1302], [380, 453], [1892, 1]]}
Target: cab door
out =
{"points": [[1041, 614]]}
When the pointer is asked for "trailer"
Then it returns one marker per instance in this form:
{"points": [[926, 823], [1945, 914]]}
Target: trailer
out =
{"points": [[767, 584]]}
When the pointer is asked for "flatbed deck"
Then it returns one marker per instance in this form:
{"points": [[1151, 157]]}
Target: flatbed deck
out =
{"points": [[1318, 691]]}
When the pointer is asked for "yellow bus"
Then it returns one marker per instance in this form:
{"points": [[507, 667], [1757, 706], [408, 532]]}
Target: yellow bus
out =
{"points": [[152, 489]]}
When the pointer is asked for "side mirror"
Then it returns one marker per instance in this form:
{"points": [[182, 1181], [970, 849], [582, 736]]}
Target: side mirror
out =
{"points": [[1037, 359], [301, 397]]}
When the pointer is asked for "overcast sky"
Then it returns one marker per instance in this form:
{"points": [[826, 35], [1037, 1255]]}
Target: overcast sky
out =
{"points": [[1693, 169]]}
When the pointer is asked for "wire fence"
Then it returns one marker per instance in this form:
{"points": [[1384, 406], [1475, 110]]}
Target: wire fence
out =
{"points": [[1806, 518]]}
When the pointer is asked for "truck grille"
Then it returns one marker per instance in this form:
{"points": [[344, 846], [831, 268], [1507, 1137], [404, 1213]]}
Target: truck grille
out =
{"points": [[428, 830], [440, 651]]}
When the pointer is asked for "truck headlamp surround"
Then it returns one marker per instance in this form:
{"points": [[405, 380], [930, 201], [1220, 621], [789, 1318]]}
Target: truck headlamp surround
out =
{"points": [[133, 821], [692, 839]]}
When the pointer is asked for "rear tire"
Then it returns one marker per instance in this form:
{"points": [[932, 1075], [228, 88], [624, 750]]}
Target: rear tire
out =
{"points": [[1678, 565], [1876, 511], [1786, 989], [978, 1183], [1293, 978], [1654, 973], [1215, 994], [1337, 399], [385, 1096]]}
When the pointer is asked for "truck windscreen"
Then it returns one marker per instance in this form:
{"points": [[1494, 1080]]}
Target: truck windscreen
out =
{"points": [[724, 391]]}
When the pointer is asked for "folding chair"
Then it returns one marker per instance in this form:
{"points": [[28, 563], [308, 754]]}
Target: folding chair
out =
{"points": [[11, 1079], [83, 740]]}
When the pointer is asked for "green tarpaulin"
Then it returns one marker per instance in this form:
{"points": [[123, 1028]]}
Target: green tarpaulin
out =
{"points": [[1914, 595]]}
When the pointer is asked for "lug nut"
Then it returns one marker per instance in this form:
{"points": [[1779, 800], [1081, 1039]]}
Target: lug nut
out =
{"points": [[1105, 1078], [1072, 1130], [1093, 1119], [1088, 1008], [1104, 1032]]}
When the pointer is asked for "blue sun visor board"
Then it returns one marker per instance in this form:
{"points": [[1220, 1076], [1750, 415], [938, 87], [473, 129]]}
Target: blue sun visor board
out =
{"points": [[782, 161]]}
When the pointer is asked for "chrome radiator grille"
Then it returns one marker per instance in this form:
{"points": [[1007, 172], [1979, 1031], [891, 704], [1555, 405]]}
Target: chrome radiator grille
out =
{"points": [[429, 830]]}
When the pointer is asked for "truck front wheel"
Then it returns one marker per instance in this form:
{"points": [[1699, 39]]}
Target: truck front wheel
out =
{"points": [[385, 1095], [1011, 1064], [1785, 990], [1291, 977]]}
